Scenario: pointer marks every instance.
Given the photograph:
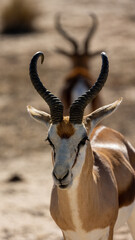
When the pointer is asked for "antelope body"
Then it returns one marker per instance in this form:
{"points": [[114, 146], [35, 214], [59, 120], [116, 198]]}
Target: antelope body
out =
{"points": [[79, 80], [94, 178]]}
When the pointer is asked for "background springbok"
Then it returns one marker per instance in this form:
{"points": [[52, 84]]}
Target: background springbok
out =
{"points": [[79, 79], [94, 178]]}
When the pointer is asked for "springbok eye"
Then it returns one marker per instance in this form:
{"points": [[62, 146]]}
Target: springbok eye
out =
{"points": [[50, 142], [82, 142]]}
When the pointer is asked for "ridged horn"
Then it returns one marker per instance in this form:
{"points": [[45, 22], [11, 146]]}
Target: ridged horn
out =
{"points": [[65, 34], [78, 106], [55, 105], [90, 32]]}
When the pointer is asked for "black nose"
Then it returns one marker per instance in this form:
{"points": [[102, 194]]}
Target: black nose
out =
{"points": [[60, 176]]}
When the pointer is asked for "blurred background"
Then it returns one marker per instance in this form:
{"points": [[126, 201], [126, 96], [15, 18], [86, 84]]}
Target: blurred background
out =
{"points": [[25, 160]]}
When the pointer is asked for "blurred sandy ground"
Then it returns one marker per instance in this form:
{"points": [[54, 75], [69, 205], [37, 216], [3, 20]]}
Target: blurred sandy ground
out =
{"points": [[24, 206]]}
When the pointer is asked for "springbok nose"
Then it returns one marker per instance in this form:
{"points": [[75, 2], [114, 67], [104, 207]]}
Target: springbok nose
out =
{"points": [[60, 172]]}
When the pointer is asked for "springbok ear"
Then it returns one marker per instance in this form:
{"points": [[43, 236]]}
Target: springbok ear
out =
{"points": [[39, 115], [98, 115]]}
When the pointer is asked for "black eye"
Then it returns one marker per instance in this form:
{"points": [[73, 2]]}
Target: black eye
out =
{"points": [[50, 142], [82, 142]]}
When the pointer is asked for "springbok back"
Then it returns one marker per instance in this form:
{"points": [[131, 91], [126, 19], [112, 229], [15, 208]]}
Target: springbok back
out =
{"points": [[93, 166]]}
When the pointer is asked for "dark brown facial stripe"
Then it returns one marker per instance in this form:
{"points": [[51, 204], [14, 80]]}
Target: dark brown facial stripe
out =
{"points": [[65, 129], [75, 158], [128, 196]]}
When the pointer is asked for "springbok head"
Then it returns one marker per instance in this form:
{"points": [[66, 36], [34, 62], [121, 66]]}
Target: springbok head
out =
{"points": [[68, 136], [79, 59]]}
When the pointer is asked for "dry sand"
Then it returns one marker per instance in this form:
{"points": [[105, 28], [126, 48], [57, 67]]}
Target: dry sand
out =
{"points": [[24, 206]]}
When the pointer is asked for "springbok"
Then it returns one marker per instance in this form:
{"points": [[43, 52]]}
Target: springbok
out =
{"points": [[79, 80], [94, 178]]}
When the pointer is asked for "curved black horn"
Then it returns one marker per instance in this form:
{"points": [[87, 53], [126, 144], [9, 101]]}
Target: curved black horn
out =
{"points": [[78, 106], [91, 32], [65, 34], [55, 105]]}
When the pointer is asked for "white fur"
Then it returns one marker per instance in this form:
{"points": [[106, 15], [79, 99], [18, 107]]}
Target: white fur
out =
{"points": [[97, 234], [66, 149], [97, 133], [80, 161], [79, 89], [112, 146]]}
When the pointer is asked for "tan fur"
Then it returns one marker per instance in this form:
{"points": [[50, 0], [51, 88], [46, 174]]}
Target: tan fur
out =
{"points": [[120, 163], [79, 71], [94, 216], [65, 129], [104, 189], [60, 209]]}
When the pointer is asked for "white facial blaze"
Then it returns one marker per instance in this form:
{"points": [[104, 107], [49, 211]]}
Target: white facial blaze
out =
{"points": [[80, 161], [66, 148]]}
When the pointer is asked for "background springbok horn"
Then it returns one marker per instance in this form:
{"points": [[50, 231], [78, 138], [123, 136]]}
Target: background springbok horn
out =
{"points": [[65, 34], [90, 33], [78, 106], [55, 105]]}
